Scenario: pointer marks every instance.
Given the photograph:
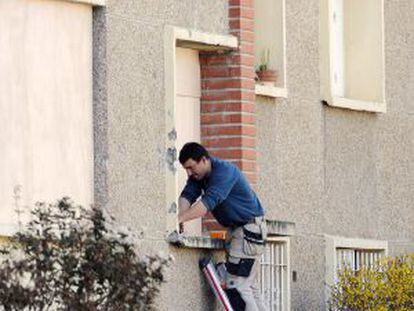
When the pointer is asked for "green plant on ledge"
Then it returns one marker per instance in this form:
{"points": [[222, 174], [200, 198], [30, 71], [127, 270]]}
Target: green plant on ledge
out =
{"points": [[264, 60], [264, 74]]}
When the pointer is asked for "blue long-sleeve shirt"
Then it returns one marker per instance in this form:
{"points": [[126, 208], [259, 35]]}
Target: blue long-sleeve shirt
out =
{"points": [[226, 193]]}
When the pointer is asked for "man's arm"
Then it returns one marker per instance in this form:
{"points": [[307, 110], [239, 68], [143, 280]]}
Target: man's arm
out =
{"points": [[183, 204], [196, 211]]}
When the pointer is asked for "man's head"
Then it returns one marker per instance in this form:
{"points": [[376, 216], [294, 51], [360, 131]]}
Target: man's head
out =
{"points": [[195, 160]]}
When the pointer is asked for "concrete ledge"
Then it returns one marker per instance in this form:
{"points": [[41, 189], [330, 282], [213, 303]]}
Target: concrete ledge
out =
{"points": [[91, 2], [203, 41], [180, 240], [275, 228], [270, 91], [280, 228], [355, 104]]}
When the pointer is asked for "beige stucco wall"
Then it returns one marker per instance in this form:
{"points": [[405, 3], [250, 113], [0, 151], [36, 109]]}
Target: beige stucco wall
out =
{"points": [[46, 141], [336, 171], [130, 153], [329, 170]]}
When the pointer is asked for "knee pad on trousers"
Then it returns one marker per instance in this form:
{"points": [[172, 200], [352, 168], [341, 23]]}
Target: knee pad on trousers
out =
{"points": [[236, 299]]}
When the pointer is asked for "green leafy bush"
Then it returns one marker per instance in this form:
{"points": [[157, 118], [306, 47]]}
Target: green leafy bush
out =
{"points": [[67, 258], [389, 285]]}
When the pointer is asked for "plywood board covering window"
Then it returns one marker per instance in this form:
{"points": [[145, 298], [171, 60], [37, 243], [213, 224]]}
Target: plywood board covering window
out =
{"points": [[187, 112], [46, 140]]}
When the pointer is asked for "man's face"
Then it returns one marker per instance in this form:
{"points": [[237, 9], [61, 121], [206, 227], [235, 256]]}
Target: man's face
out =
{"points": [[197, 170]]}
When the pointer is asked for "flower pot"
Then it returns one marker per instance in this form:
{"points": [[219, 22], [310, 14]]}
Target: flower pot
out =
{"points": [[267, 76]]}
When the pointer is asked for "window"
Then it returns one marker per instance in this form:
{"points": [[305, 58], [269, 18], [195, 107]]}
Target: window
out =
{"points": [[352, 54], [46, 105], [354, 253], [270, 35], [187, 111], [357, 258], [182, 110], [275, 274]]}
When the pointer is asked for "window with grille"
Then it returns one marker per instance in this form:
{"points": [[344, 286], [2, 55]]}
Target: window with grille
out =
{"points": [[274, 274], [352, 252], [357, 258]]}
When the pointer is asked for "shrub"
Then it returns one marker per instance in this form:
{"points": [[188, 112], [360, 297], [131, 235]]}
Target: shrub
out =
{"points": [[389, 285], [67, 258]]}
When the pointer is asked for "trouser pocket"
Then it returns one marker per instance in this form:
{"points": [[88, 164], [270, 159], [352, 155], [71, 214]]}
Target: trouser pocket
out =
{"points": [[253, 239], [240, 266]]}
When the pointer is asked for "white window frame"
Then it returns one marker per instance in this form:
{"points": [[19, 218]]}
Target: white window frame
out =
{"points": [[268, 90], [193, 39], [332, 243], [332, 70], [285, 295]]}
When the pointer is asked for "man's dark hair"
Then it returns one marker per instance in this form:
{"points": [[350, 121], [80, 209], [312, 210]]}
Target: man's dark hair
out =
{"points": [[193, 151]]}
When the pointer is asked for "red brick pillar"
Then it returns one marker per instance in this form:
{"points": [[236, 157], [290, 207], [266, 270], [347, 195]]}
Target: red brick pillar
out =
{"points": [[228, 128]]}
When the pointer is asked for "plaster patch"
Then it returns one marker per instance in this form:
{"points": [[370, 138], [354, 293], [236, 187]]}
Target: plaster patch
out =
{"points": [[173, 208], [171, 157], [172, 135]]}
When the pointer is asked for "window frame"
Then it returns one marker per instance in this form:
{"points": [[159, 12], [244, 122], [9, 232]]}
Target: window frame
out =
{"points": [[268, 90], [332, 243], [329, 52], [193, 39], [285, 241], [356, 265]]}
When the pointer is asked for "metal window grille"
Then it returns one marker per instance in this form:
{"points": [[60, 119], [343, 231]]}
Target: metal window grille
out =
{"points": [[357, 258], [274, 276]]}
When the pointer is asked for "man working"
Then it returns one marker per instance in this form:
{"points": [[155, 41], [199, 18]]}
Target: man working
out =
{"points": [[225, 192]]}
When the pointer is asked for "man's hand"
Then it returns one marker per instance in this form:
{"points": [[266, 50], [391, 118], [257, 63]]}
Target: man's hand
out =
{"points": [[176, 239]]}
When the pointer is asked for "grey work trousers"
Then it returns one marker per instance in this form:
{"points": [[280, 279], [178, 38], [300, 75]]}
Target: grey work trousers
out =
{"points": [[243, 263]]}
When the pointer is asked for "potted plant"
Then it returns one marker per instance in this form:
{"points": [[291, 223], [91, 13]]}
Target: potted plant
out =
{"points": [[264, 74]]}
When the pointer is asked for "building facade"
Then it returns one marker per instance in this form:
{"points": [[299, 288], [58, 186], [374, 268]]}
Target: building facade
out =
{"points": [[98, 97]]}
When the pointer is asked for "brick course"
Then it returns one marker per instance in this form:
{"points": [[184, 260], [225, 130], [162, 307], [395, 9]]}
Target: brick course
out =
{"points": [[228, 119]]}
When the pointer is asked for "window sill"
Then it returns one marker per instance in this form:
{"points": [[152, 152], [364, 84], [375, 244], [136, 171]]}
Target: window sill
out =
{"points": [[359, 105], [280, 228], [274, 227], [270, 91], [92, 2], [202, 242]]}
